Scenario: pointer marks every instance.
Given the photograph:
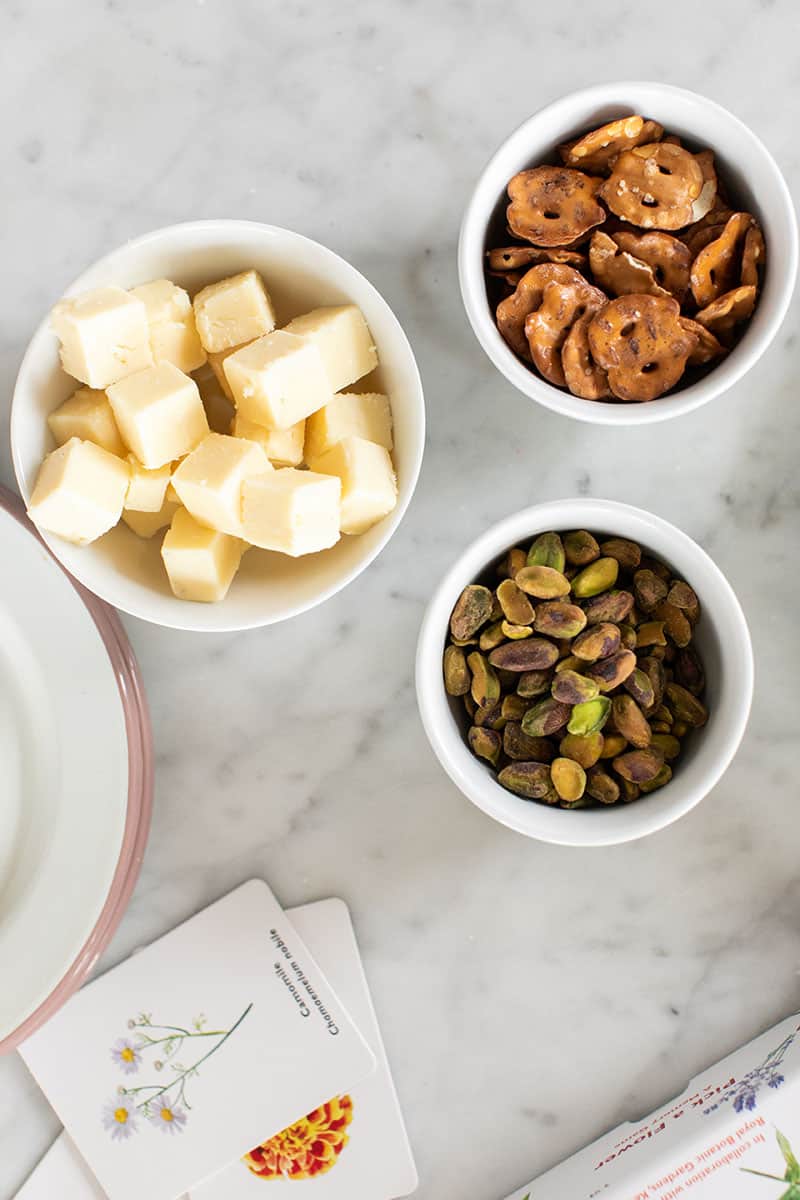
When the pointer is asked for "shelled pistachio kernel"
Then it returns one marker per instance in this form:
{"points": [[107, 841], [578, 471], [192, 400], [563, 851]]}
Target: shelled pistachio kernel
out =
{"points": [[529, 680]]}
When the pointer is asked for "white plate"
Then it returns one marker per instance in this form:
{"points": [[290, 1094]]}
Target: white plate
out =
{"points": [[64, 756]]}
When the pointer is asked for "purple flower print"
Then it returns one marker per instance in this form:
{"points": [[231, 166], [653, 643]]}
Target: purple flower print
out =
{"points": [[126, 1055], [169, 1117], [119, 1117]]}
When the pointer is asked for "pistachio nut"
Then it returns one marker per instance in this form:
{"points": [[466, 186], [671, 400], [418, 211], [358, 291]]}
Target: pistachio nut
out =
{"points": [[662, 713], [663, 776], [589, 717], [569, 778], [627, 636], [639, 766], [456, 672], [585, 750], [515, 632], [547, 551], [545, 717], [658, 568], [648, 589], [469, 704], [557, 619], [545, 583], [580, 548], [529, 779], [689, 671], [651, 633], [485, 743], [629, 791], [676, 623], [572, 688], [491, 636], [485, 684], [516, 606], [601, 786], [669, 745], [612, 671], [685, 598], [613, 744], [686, 707], [598, 641], [660, 727], [518, 745], [531, 654], [514, 707], [611, 606], [570, 663], [680, 729], [490, 717], [534, 683], [472, 609], [627, 553], [654, 670], [639, 686], [630, 721], [511, 563], [599, 576]]}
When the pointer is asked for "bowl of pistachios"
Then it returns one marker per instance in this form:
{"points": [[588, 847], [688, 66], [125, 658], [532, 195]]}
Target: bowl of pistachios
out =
{"points": [[584, 672]]}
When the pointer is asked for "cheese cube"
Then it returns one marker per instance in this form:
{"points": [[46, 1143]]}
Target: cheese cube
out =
{"points": [[277, 380], [146, 524], [146, 490], [79, 492], [233, 311], [215, 362], [200, 562], [342, 337], [295, 512], [159, 413], [283, 447], [170, 318], [87, 415], [103, 335], [369, 489], [209, 480], [367, 415]]}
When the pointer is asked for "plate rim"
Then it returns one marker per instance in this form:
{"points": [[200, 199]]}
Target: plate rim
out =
{"points": [[138, 730]]}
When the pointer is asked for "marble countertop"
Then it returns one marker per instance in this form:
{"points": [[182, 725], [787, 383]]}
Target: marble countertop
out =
{"points": [[530, 996]]}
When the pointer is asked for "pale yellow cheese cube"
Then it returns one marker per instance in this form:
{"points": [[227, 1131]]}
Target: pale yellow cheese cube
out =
{"points": [[209, 480], [79, 492], [200, 562], [283, 447], [146, 490], [295, 512], [215, 362], [342, 337], [159, 413], [87, 415], [349, 414], [103, 335], [170, 318], [277, 380], [369, 488], [146, 524], [233, 311]]}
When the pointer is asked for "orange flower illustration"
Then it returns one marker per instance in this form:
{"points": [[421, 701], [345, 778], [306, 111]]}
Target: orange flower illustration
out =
{"points": [[308, 1148]]}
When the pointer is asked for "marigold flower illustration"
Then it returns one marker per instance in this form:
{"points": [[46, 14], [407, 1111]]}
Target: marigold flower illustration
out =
{"points": [[127, 1055], [169, 1117], [119, 1117], [307, 1148]]}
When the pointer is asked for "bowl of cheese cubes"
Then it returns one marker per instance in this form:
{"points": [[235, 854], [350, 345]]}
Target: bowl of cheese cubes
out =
{"points": [[218, 426]]}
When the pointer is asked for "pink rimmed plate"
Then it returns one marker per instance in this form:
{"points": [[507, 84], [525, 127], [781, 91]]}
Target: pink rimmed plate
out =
{"points": [[77, 764]]}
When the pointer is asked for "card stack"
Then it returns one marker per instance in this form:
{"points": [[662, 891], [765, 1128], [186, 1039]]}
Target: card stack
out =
{"points": [[239, 1049]]}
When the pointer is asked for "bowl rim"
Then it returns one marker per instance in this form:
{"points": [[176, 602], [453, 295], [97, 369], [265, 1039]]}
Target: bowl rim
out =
{"points": [[432, 701], [472, 286], [117, 596]]}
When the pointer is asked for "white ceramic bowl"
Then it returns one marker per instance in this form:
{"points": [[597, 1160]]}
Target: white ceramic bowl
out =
{"points": [[300, 274], [722, 638], [743, 161]]}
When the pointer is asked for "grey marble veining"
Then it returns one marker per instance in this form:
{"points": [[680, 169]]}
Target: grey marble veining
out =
{"points": [[530, 995]]}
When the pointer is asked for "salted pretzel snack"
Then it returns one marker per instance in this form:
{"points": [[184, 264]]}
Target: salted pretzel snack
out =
{"points": [[546, 328], [640, 342], [629, 263], [553, 206]]}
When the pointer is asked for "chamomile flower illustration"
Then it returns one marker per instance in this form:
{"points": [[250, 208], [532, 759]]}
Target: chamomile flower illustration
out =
{"points": [[127, 1055], [155, 1047], [168, 1116], [120, 1117]]}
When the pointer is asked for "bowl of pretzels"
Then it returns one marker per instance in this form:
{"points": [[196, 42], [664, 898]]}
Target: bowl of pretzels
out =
{"points": [[628, 253]]}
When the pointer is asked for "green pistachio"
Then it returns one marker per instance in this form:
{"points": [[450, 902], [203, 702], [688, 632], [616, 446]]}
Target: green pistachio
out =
{"points": [[515, 632], [598, 577], [491, 636], [589, 717], [557, 619], [545, 583], [529, 779], [547, 551], [572, 688], [545, 718], [580, 548]]}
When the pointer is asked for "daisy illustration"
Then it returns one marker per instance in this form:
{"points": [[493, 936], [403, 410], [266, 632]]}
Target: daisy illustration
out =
{"points": [[127, 1055], [119, 1117], [169, 1117]]}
